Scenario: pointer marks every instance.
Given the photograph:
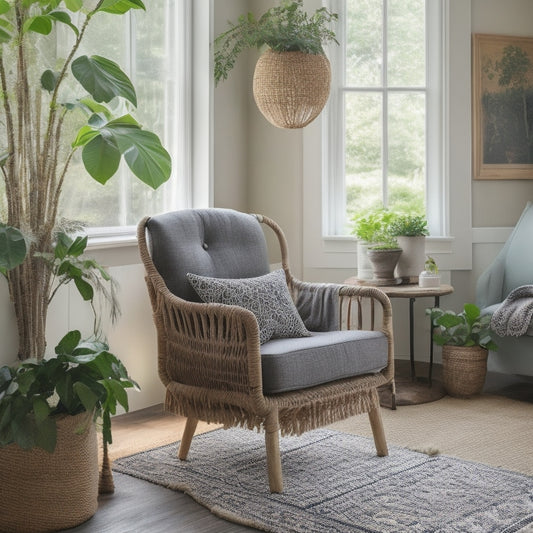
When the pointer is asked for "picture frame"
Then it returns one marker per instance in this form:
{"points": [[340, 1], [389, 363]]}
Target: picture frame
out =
{"points": [[502, 107]]}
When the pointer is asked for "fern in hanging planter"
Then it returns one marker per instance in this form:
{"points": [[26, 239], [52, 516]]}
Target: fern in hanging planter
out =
{"points": [[292, 77]]}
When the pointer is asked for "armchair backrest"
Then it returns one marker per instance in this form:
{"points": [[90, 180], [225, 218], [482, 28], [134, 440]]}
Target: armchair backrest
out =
{"points": [[219, 243], [518, 268]]}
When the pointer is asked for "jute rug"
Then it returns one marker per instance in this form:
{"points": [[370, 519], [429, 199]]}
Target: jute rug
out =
{"points": [[334, 482]]}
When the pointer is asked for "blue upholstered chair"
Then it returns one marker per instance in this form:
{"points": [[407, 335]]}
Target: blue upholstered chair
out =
{"points": [[233, 348], [512, 268]]}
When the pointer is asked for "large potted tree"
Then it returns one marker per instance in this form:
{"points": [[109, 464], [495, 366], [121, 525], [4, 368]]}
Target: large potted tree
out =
{"points": [[37, 153], [36, 257], [293, 75]]}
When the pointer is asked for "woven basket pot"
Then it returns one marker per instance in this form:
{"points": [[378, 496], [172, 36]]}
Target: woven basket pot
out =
{"points": [[464, 369], [291, 88], [43, 491]]}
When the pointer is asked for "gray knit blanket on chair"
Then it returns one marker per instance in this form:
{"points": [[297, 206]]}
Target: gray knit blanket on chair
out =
{"points": [[513, 317]]}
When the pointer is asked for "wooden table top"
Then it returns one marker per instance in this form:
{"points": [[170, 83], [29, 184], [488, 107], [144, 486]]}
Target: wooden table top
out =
{"points": [[407, 290]]}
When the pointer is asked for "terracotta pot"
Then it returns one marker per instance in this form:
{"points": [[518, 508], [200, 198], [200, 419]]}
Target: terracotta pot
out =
{"points": [[464, 369], [291, 88], [44, 491], [384, 263]]}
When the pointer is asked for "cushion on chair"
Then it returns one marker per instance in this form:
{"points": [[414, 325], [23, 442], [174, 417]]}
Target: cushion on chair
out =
{"points": [[291, 364], [266, 296], [220, 243]]}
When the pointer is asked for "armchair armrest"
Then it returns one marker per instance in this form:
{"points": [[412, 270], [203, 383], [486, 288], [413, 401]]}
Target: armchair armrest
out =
{"points": [[208, 346], [355, 307]]}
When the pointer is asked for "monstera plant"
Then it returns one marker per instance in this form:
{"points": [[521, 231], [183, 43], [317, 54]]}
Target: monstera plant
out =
{"points": [[37, 100]]}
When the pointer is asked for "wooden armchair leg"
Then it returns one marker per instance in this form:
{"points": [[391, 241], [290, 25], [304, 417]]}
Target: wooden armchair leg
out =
{"points": [[377, 430], [188, 434], [275, 477]]}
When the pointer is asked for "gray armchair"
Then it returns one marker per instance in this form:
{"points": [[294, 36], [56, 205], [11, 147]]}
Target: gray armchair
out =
{"points": [[214, 356], [512, 268]]}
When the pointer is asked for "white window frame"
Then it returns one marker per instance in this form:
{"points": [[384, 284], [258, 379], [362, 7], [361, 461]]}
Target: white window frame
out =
{"points": [[192, 137], [451, 242]]}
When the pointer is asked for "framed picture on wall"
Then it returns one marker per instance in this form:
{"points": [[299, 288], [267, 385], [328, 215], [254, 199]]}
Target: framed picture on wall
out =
{"points": [[502, 86]]}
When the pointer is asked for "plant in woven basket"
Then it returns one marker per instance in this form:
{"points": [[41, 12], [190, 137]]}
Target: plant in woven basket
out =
{"points": [[83, 376], [57, 102], [467, 328], [465, 338], [292, 78]]}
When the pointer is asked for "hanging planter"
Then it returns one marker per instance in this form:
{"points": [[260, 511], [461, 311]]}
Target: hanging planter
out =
{"points": [[292, 78], [291, 88]]}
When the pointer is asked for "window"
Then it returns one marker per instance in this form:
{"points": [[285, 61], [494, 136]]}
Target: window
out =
{"points": [[384, 126], [152, 47]]}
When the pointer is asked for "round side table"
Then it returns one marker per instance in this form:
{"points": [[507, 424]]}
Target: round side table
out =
{"points": [[414, 390]]}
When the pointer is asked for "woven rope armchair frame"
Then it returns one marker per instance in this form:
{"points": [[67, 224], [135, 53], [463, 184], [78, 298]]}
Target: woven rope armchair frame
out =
{"points": [[209, 360]]}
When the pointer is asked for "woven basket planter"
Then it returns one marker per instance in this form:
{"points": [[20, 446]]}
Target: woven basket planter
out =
{"points": [[464, 369], [291, 88], [46, 492]]}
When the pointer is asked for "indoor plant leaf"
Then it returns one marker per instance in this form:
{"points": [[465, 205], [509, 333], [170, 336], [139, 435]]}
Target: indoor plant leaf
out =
{"points": [[85, 289], [68, 343], [103, 79], [49, 80], [73, 5], [146, 157], [13, 247], [120, 7], [64, 18], [39, 24], [101, 158]]}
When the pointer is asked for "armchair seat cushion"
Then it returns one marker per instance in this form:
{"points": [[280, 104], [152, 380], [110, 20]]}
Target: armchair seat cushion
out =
{"points": [[298, 363]]}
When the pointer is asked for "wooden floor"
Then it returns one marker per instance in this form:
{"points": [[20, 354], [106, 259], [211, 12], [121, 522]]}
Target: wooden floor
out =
{"points": [[139, 506]]}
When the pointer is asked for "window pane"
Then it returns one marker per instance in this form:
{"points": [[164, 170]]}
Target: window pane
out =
{"points": [[363, 140], [406, 43], [406, 151], [364, 46], [146, 53]]}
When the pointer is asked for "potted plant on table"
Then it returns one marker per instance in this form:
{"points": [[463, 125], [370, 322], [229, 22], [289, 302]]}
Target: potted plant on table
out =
{"points": [[465, 338], [368, 226], [410, 230], [36, 257], [377, 250], [292, 77]]}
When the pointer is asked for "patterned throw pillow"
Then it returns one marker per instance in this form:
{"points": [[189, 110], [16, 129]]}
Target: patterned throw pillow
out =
{"points": [[267, 297]]}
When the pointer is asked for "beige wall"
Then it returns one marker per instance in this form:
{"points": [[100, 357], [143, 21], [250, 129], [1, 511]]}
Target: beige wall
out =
{"points": [[500, 202]]}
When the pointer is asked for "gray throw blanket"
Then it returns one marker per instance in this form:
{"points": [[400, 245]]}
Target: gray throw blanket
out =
{"points": [[513, 316], [319, 309]]}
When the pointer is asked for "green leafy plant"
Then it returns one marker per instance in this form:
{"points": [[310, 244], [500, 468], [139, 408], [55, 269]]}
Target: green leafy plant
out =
{"points": [[83, 376], [431, 266], [68, 264], [467, 328], [373, 227], [37, 110], [408, 226], [285, 28]]}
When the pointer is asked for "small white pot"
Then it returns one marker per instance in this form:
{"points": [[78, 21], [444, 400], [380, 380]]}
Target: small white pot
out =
{"points": [[428, 279]]}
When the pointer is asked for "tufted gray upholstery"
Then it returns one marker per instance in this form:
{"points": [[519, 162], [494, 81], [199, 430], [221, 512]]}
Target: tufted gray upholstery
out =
{"points": [[220, 243]]}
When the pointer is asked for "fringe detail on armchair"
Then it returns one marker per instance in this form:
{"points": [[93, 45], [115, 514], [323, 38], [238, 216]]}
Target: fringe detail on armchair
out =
{"points": [[319, 413], [212, 411], [293, 419]]}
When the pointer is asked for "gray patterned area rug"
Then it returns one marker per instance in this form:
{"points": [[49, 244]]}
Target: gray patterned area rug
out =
{"points": [[334, 482]]}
